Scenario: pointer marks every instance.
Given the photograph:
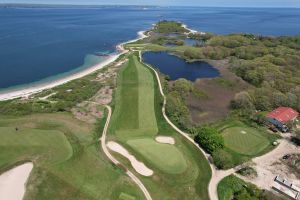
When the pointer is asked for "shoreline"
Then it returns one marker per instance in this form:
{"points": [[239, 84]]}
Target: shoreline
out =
{"points": [[39, 87]]}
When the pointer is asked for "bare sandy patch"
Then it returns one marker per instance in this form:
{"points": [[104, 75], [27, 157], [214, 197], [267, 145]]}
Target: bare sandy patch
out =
{"points": [[165, 140], [271, 165], [12, 182], [139, 167]]}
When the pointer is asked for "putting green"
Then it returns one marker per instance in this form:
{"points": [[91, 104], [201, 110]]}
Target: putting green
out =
{"points": [[164, 156], [52, 144], [245, 140]]}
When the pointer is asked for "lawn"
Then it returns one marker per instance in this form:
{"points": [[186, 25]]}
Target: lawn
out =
{"points": [[180, 170], [164, 156], [52, 145], [66, 157], [245, 140], [134, 114]]}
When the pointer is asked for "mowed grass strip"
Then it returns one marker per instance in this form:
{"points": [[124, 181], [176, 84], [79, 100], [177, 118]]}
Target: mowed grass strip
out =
{"points": [[164, 156], [128, 98], [134, 114], [245, 140], [52, 144], [147, 118]]}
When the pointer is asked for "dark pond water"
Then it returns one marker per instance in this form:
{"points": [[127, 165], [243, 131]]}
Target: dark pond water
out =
{"points": [[176, 68], [189, 41]]}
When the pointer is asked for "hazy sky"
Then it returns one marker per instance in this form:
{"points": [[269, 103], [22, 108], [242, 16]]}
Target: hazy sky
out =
{"points": [[220, 3]]}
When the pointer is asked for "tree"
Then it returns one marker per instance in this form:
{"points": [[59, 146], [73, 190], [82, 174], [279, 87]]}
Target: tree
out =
{"points": [[262, 103], [177, 110], [278, 99], [183, 86], [243, 195], [210, 139], [242, 100], [222, 159]]}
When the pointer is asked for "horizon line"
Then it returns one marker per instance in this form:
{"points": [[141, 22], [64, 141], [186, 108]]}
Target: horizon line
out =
{"points": [[137, 5]]}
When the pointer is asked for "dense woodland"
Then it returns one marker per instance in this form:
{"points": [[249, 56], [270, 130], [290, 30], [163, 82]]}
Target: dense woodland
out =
{"points": [[270, 64]]}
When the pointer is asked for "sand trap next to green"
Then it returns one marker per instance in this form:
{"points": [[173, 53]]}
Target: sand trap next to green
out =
{"points": [[164, 156], [12, 182], [139, 167]]}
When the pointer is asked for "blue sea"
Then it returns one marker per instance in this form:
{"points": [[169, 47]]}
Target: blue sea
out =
{"points": [[41, 44]]}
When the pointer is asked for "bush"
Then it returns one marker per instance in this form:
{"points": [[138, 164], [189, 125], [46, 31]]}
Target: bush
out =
{"points": [[247, 171], [177, 110], [222, 159], [209, 139]]}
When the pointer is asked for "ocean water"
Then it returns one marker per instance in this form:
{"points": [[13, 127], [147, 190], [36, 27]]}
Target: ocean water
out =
{"points": [[39, 44], [177, 68]]}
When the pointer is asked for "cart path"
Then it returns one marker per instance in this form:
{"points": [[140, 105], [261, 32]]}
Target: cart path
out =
{"points": [[115, 161]]}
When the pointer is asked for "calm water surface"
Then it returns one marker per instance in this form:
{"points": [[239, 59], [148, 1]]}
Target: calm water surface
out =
{"points": [[176, 68], [38, 43]]}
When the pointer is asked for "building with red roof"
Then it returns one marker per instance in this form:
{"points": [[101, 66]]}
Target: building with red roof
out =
{"points": [[280, 116]]}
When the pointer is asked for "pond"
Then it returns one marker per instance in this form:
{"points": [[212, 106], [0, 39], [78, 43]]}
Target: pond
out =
{"points": [[177, 68], [192, 42]]}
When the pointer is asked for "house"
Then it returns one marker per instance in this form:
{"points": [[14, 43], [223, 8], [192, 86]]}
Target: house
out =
{"points": [[281, 116]]}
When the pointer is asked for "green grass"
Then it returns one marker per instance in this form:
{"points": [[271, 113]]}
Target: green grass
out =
{"points": [[52, 145], [134, 114], [125, 196], [164, 156], [242, 147], [184, 176], [245, 140], [66, 157], [147, 118]]}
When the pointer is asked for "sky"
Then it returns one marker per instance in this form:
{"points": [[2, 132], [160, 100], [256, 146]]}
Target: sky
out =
{"points": [[215, 3]]}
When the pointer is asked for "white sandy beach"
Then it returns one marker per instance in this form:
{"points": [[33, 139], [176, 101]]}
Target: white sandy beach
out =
{"points": [[139, 167], [25, 92], [13, 182]]}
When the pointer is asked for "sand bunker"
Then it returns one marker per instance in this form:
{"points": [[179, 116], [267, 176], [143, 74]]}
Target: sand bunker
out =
{"points": [[165, 140], [137, 165], [12, 182], [243, 132]]}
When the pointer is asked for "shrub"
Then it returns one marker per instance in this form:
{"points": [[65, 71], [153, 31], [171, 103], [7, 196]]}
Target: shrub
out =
{"points": [[222, 159], [247, 171], [209, 139]]}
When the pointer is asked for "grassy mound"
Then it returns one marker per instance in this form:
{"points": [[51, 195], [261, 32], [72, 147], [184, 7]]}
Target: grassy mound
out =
{"points": [[245, 140], [166, 157]]}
